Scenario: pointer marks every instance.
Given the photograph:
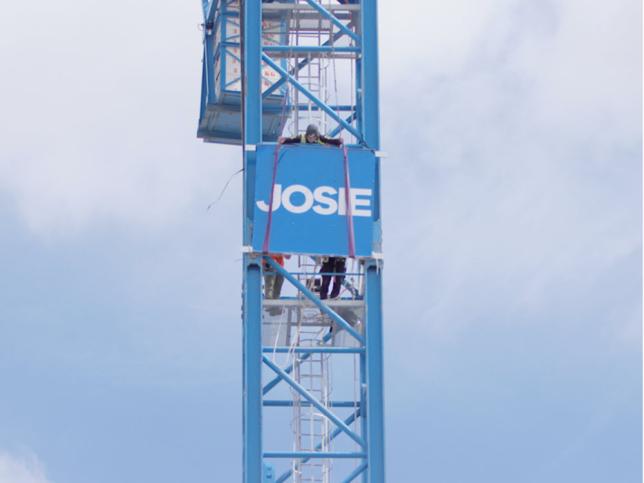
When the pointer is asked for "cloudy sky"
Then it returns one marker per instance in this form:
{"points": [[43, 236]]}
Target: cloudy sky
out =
{"points": [[513, 243]]}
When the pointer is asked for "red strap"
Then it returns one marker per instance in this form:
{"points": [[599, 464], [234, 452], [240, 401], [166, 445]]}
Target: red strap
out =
{"points": [[269, 222], [347, 200]]}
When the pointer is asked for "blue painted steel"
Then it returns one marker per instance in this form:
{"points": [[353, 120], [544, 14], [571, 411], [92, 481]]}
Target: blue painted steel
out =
{"points": [[345, 107], [269, 474], [375, 400], [300, 65], [316, 300], [251, 70], [309, 200], [252, 312], [339, 128], [290, 403], [252, 371], [286, 297], [355, 473], [270, 385], [328, 15], [208, 88], [313, 454], [364, 403], [336, 432], [314, 350], [221, 115], [319, 406], [251, 118], [369, 123], [312, 48], [332, 114], [369, 68]]}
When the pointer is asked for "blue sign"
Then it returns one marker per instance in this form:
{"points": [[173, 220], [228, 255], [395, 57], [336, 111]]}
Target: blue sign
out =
{"points": [[310, 194]]}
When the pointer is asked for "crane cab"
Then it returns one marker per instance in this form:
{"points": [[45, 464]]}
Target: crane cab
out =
{"points": [[220, 118]]}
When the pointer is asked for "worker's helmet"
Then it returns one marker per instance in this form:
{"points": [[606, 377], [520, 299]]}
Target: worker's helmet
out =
{"points": [[311, 130]]}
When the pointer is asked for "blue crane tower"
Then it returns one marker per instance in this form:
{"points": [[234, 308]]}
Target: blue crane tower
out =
{"points": [[312, 364]]}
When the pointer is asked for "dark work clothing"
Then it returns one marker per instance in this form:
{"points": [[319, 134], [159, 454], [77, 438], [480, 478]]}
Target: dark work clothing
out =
{"points": [[332, 265], [323, 140]]}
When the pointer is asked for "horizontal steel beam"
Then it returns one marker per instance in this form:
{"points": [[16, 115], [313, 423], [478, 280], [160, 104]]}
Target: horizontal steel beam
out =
{"points": [[333, 303], [271, 384], [275, 7], [336, 432], [313, 454], [313, 350], [316, 55], [334, 20], [272, 403], [311, 96], [302, 63], [309, 48], [345, 107], [316, 274], [316, 300]]}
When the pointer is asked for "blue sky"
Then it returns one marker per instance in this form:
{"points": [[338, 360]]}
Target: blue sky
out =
{"points": [[513, 229]]}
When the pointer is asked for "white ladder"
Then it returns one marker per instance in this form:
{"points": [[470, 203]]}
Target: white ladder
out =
{"points": [[311, 429], [314, 76]]}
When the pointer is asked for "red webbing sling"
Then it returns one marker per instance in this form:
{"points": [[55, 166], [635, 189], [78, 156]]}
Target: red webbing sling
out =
{"points": [[269, 222], [347, 201]]}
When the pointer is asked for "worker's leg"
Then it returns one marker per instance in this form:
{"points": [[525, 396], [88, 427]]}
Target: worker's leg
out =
{"points": [[278, 281], [339, 266], [269, 284], [327, 266]]}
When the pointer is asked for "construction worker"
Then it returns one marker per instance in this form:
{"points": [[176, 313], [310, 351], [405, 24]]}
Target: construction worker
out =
{"points": [[331, 264], [273, 281], [312, 136], [335, 265], [332, 267]]}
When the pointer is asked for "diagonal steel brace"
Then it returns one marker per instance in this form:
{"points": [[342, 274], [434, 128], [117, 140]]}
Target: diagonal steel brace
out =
{"points": [[320, 407], [321, 104]]}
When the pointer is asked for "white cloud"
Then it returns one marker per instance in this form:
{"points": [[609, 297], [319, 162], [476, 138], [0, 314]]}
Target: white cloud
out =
{"points": [[422, 36], [519, 159], [513, 129], [99, 115], [25, 468], [99, 108]]}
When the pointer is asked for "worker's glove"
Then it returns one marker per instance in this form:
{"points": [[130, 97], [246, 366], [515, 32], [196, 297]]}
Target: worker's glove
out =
{"points": [[341, 141]]}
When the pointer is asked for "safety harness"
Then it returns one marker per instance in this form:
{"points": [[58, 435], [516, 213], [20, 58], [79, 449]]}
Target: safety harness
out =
{"points": [[303, 140]]}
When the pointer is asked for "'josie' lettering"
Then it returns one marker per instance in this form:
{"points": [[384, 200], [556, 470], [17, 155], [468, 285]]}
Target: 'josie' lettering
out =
{"points": [[323, 200]]}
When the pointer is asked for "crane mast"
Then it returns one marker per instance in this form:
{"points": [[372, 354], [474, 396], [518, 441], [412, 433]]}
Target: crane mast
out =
{"points": [[312, 361]]}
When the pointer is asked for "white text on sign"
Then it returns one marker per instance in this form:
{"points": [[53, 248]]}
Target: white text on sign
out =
{"points": [[323, 200]]}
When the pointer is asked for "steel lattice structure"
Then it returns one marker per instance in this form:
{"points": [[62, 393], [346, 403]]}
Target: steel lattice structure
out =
{"points": [[268, 67]]}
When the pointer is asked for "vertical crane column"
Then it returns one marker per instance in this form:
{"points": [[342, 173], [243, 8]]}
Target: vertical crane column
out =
{"points": [[369, 455], [251, 23], [374, 342]]}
